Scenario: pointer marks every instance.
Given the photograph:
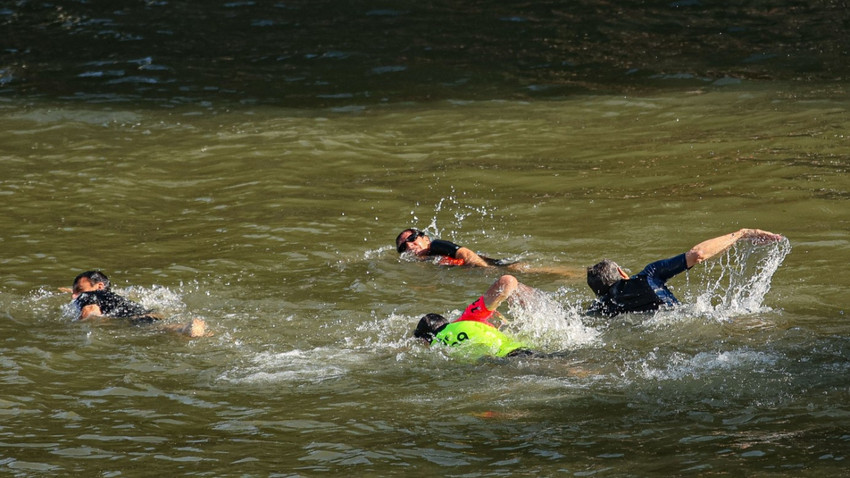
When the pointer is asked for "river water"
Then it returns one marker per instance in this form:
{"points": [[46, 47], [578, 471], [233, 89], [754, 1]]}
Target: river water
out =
{"points": [[269, 208]]}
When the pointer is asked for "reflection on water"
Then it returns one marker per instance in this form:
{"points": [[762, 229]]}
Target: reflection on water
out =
{"points": [[276, 226], [324, 53]]}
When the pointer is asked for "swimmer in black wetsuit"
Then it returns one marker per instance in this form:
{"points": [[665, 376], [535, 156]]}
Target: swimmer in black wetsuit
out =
{"points": [[646, 291], [92, 298], [416, 243], [420, 245]]}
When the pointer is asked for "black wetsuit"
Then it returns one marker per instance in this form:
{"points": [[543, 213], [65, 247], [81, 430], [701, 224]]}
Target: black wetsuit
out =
{"points": [[116, 306], [645, 291], [440, 247]]}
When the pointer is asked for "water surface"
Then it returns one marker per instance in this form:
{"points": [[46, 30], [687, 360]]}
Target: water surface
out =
{"points": [[276, 226], [251, 163]]}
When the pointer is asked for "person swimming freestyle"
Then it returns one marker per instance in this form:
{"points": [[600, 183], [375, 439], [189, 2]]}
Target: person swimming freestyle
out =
{"points": [[419, 245], [93, 298], [474, 330], [647, 291]]}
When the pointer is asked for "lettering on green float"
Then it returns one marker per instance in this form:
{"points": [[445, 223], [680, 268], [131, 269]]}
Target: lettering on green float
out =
{"points": [[485, 339]]}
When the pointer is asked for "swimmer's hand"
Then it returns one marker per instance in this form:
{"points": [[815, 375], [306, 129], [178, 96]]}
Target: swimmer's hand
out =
{"points": [[504, 262], [66, 290], [761, 237]]}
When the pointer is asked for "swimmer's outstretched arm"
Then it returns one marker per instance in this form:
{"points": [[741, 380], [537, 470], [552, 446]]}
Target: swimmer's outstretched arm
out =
{"points": [[505, 287], [564, 271], [707, 249], [471, 258]]}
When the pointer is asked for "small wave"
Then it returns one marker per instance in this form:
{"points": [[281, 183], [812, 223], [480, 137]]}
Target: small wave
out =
{"points": [[51, 116], [380, 70], [316, 365], [679, 366], [101, 74], [135, 79]]}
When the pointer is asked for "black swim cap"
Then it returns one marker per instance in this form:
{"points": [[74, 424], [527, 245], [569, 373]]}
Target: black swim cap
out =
{"points": [[429, 325]]}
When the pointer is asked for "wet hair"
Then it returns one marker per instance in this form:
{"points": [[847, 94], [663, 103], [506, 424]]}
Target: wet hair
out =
{"points": [[399, 244], [601, 276], [429, 325], [95, 277]]}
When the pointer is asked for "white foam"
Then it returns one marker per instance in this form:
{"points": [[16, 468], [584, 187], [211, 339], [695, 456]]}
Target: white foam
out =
{"points": [[313, 366], [546, 324], [737, 282], [680, 366]]}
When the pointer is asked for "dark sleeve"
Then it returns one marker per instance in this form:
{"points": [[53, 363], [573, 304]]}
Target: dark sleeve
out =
{"points": [[123, 308], [443, 248], [664, 269], [597, 308], [84, 300], [114, 305]]}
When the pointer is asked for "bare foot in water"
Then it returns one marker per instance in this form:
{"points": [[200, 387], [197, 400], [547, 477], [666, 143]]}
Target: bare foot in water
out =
{"points": [[195, 328]]}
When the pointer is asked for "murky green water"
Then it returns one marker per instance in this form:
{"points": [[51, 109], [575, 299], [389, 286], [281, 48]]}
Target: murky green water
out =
{"points": [[251, 163], [276, 226]]}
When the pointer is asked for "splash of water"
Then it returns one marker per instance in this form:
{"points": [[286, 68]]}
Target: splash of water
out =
{"points": [[157, 298], [541, 320], [739, 280], [460, 212]]}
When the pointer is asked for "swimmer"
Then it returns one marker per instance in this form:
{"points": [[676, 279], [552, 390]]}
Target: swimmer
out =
{"points": [[92, 298], [418, 244], [477, 329], [646, 291]]}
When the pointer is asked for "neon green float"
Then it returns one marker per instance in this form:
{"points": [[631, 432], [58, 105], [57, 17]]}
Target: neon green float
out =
{"points": [[477, 338]]}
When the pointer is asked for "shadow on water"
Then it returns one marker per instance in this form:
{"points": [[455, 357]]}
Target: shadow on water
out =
{"points": [[330, 53]]}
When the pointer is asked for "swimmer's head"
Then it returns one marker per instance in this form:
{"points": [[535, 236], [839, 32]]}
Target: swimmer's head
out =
{"points": [[603, 275], [89, 281], [428, 326], [412, 240]]}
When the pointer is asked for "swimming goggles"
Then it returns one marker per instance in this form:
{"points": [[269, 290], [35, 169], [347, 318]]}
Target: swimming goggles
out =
{"points": [[415, 234]]}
